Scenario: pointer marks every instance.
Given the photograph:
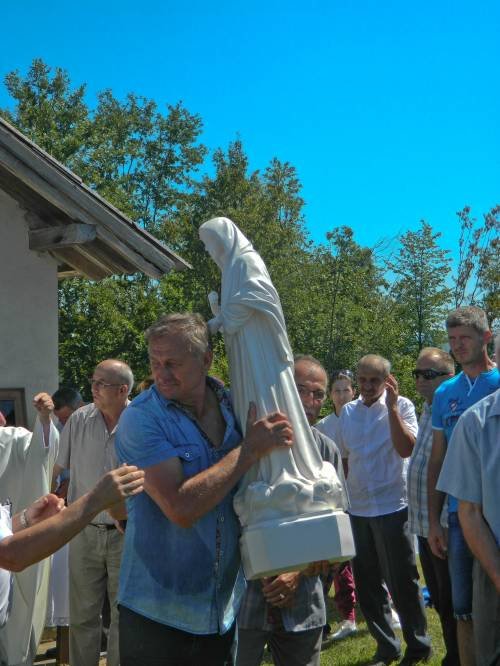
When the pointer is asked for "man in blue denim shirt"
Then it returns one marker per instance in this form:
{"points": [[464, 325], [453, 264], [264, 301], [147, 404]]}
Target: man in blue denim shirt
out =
{"points": [[180, 583]]}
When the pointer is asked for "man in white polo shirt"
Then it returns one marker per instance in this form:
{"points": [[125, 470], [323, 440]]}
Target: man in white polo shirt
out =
{"points": [[376, 434]]}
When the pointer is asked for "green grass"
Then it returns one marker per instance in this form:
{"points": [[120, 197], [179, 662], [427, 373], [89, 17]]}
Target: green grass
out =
{"points": [[358, 649]]}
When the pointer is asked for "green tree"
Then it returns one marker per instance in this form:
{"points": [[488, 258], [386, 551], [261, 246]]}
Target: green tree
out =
{"points": [[142, 161], [421, 268], [477, 277]]}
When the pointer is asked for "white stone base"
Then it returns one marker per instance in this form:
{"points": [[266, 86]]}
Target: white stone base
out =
{"points": [[291, 544]]}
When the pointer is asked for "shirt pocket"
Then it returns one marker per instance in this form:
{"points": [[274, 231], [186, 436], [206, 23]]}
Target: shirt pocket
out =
{"points": [[191, 458]]}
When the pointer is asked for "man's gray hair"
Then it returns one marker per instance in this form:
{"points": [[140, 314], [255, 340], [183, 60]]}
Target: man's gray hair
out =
{"points": [[445, 359], [191, 325], [375, 360], [120, 370], [469, 315], [497, 349], [308, 358]]}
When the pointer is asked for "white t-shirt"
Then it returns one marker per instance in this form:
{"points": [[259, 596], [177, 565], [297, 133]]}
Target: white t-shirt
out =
{"points": [[376, 481], [5, 576]]}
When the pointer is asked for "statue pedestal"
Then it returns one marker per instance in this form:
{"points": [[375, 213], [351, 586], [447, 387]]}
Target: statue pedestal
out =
{"points": [[291, 544]]}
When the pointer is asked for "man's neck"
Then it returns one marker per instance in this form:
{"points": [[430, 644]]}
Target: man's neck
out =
{"points": [[199, 403], [473, 370], [111, 416]]}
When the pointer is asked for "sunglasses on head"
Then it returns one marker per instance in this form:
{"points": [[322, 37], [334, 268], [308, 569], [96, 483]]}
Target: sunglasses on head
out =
{"points": [[342, 373], [430, 373]]}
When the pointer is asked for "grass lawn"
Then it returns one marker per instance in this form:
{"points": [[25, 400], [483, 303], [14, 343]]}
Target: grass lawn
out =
{"points": [[358, 649]]}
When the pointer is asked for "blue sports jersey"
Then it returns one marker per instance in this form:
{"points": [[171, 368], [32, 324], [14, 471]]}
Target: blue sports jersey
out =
{"points": [[453, 397]]}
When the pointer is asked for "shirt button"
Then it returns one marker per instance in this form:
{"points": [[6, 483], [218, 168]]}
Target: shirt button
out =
{"points": [[188, 455], [221, 519]]}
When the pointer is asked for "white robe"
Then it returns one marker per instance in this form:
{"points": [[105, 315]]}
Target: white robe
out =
{"points": [[289, 482], [25, 475]]}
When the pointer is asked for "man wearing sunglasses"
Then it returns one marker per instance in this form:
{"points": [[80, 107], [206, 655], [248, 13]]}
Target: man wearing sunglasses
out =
{"points": [[433, 367], [87, 449]]}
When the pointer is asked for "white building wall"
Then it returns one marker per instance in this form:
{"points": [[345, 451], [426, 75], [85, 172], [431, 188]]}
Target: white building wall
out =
{"points": [[28, 310]]}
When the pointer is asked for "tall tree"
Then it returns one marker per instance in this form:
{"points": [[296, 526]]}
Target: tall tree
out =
{"points": [[421, 268], [478, 274]]}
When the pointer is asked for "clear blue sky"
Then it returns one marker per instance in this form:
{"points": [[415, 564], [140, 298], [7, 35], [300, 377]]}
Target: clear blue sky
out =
{"points": [[390, 111]]}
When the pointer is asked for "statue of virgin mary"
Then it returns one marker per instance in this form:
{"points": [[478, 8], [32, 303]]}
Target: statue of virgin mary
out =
{"points": [[289, 484]]}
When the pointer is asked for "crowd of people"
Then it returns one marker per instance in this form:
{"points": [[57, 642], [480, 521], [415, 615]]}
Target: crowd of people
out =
{"points": [[149, 488]]}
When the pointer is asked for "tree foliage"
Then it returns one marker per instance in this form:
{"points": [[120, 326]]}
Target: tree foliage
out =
{"points": [[421, 269], [339, 300]]}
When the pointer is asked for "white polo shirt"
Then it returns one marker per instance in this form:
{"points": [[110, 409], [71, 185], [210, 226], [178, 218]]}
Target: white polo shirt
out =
{"points": [[5, 576], [376, 480]]}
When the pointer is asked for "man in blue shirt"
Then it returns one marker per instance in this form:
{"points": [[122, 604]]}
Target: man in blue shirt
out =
{"points": [[180, 582], [468, 335]]}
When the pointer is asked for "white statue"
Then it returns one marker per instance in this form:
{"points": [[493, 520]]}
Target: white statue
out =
{"points": [[292, 483]]}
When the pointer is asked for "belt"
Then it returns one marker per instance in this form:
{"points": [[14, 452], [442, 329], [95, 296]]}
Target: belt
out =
{"points": [[104, 526]]}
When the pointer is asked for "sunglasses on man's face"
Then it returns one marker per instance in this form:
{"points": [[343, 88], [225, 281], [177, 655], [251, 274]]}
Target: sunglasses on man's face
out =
{"points": [[429, 373]]}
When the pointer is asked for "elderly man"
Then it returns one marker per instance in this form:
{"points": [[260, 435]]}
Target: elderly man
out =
{"points": [[471, 473], [87, 448], [180, 583], [468, 335], [376, 434], [433, 367], [288, 612]]}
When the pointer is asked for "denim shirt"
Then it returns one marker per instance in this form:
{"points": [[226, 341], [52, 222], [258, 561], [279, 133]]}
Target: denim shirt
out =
{"points": [[186, 578]]}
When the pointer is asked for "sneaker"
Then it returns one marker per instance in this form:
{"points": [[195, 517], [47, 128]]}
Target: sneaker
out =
{"points": [[396, 623], [347, 628]]}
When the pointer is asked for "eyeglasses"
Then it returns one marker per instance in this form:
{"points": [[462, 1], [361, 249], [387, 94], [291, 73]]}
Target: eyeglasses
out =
{"points": [[100, 385], [429, 373], [318, 396]]}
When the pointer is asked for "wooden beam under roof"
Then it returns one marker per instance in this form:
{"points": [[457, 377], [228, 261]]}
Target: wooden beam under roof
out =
{"points": [[55, 238]]}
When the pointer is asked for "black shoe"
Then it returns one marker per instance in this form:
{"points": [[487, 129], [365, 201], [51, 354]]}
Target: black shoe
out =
{"points": [[377, 660], [408, 660]]}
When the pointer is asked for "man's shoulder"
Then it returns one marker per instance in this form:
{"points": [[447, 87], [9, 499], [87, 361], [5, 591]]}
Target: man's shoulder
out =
{"points": [[324, 442], [83, 414], [449, 386], [482, 409]]}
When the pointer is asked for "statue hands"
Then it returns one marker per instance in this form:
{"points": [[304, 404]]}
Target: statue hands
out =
{"points": [[213, 299], [214, 324]]}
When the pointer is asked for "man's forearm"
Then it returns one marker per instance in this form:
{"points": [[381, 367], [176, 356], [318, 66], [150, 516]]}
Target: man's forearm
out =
{"points": [[402, 439], [480, 539], [199, 494], [34, 543]]}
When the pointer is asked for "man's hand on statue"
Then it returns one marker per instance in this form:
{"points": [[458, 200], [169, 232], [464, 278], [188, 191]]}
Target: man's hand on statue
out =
{"points": [[266, 434], [391, 392], [44, 406], [280, 591], [43, 508], [320, 568]]}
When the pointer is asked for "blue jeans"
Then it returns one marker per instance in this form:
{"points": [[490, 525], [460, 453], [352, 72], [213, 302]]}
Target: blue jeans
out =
{"points": [[460, 563]]}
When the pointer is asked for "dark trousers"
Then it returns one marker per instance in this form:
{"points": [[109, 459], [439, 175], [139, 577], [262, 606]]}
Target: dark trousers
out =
{"points": [[384, 552], [144, 642], [486, 612], [437, 578]]}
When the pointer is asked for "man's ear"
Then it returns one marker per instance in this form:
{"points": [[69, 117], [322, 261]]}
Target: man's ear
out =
{"points": [[207, 359], [487, 337]]}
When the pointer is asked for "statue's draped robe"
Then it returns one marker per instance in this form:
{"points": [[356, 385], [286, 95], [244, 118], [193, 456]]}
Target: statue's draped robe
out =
{"points": [[25, 475], [289, 481]]}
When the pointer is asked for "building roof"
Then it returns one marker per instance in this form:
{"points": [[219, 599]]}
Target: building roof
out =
{"points": [[85, 234]]}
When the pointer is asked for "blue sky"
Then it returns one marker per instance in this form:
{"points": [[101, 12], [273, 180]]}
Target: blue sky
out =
{"points": [[389, 110]]}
